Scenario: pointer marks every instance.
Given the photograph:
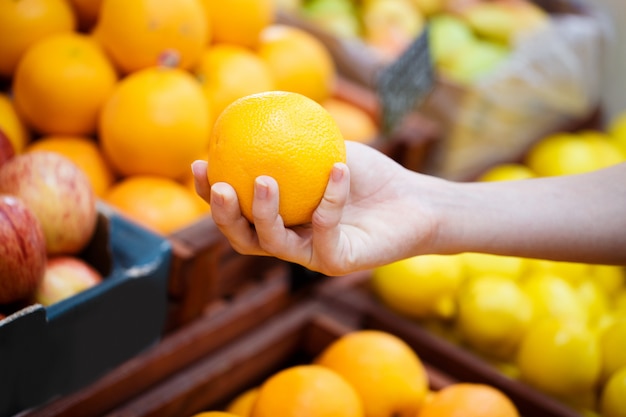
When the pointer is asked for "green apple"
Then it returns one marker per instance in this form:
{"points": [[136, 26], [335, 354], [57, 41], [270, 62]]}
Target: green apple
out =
{"points": [[474, 61], [338, 17], [502, 21], [447, 35]]}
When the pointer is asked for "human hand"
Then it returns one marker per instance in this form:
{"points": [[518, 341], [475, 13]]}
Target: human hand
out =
{"points": [[368, 216]]}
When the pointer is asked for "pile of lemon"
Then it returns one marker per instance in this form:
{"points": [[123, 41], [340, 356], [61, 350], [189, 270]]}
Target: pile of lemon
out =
{"points": [[558, 326], [130, 91]]}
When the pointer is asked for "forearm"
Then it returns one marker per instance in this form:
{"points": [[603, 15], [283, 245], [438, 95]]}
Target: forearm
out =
{"points": [[579, 218]]}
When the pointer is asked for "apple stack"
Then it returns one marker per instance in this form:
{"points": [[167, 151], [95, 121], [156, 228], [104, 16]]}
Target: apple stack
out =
{"points": [[48, 216]]}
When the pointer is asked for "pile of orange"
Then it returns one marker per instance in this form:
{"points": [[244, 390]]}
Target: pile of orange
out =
{"points": [[130, 91], [364, 373]]}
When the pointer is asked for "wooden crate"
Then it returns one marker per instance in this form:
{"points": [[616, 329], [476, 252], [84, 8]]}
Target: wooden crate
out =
{"points": [[222, 320], [294, 337], [352, 295]]}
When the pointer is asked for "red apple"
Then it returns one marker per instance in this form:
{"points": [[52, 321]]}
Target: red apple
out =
{"points": [[6, 148], [59, 194], [22, 250], [64, 277]]}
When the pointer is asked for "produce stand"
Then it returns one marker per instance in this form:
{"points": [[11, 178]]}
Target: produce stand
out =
{"points": [[221, 323], [293, 337], [46, 352], [351, 294], [183, 323]]}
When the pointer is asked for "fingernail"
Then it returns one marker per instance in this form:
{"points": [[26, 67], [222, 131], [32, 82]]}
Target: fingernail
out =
{"points": [[261, 189], [217, 198], [337, 173]]}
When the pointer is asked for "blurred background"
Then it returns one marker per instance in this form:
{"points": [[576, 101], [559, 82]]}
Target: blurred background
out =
{"points": [[614, 89]]}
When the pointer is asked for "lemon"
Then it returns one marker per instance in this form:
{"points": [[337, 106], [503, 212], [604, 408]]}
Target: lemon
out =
{"points": [[563, 154], [613, 347], [477, 264], [594, 299], [552, 296], [610, 278], [619, 303], [493, 315], [560, 358], [507, 172], [613, 397], [605, 150], [573, 272], [617, 132], [421, 286]]}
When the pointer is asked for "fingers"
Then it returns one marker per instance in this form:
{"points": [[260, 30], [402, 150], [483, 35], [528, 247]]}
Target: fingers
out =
{"points": [[328, 215], [271, 231], [227, 216], [201, 182]]}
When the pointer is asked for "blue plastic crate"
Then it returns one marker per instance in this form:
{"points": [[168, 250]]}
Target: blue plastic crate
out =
{"points": [[46, 352]]}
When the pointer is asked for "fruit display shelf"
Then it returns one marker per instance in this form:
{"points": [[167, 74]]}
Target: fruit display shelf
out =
{"points": [[207, 271], [46, 352], [295, 336], [221, 321], [351, 295]]}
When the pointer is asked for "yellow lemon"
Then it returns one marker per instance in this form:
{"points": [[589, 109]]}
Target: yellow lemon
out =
{"points": [[572, 272], [617, 132], [478, 264], [560, 358], [613, 347], [563, 154], [421, 286], [507, 172], [494, 314], [610, 278], [552, 296], [594, 300], [613, 397]]}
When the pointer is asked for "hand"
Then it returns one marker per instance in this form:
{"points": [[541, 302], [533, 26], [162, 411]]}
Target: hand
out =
{"points": [[359, 223]]}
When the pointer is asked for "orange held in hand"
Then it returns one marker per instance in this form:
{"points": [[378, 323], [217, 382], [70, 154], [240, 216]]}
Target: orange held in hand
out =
{"points": [[281, 134]]}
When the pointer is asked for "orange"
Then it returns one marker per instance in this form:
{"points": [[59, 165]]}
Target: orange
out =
{"points": [[299, 61], [386, 373], [214, 414], [354, 122], [12, 125], [24, 22], [284, 135], [61, 83], [239, 21], [142, 33], [87, 12], [243, 403], [85, 153], [155, 122], [469, 400], [228, 72], [158, 203], [307, 391]]}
